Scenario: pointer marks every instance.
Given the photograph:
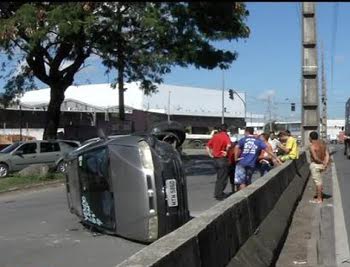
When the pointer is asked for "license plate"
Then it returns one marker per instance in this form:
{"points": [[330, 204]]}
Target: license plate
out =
{"points": [[171, 192]]}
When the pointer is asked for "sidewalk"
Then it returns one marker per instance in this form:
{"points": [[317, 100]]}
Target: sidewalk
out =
{"points": [[310, 240]]}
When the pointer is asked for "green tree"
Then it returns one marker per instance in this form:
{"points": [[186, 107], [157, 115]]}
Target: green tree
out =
{"points": [[147, 39], [142, 41], [53, 39]]}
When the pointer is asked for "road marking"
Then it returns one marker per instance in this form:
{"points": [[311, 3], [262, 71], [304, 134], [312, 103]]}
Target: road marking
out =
{"points": [[342, 251]]}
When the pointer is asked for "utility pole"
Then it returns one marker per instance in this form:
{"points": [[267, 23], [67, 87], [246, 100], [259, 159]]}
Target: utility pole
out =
{"points": [[244, 101], [269, 110], [310, 116], [223, 98], [169, 106], [324, 101], [245, 108]]}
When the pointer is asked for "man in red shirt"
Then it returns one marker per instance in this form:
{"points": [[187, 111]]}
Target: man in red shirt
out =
{"points": [[217, 148]]}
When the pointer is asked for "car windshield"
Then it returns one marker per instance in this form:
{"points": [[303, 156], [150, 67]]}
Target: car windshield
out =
{"points": [[10, 148]]}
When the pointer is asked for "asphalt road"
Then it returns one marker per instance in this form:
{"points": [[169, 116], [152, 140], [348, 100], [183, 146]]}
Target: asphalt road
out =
{"points": [[37, 229], [343, 173]]}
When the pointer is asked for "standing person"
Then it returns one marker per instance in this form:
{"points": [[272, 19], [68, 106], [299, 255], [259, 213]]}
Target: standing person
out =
{"points": [[290, 149], [246, 156], [319, 162], [232, 163], [265, 160], [217, 148]]}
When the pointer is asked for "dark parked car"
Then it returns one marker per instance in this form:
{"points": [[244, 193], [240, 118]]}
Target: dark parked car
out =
{"points": [[133, 186], [20, 155]]}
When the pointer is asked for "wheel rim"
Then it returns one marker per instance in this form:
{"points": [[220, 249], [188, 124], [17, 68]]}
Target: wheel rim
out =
{"points": [[3, 171], [61, 167]]}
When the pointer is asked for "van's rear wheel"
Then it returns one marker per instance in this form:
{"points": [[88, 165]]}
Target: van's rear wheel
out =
{"points": [[61, 167], [4, 170]]}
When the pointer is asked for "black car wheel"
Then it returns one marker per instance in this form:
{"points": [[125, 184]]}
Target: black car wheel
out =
{"points": [[197, 144], [4, 170], [61, 167]]}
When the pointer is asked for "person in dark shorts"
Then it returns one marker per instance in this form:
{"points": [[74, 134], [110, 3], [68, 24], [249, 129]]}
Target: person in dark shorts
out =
{"points": [[246, 157], [265, 160], [319, 162], [232, 166], [217, 148]]}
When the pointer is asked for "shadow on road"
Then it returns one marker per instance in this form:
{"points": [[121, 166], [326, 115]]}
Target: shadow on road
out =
{"points": [[324, 196], [196, 165]]}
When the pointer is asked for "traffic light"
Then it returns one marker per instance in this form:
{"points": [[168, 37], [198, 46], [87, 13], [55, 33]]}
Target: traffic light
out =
{"points": [[230, 92], [292, 106]]}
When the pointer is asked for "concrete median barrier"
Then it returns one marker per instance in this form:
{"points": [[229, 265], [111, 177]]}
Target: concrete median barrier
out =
{"points": [[247, 229]]}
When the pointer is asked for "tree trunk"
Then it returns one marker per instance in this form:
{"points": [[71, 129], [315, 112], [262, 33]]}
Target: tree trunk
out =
{"points": [[53, 112], [121, 86], [121, 96]]}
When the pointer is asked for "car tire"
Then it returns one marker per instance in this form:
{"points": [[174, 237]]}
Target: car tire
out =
{"points": [[61, 167], [197, 144], [4, 170]]}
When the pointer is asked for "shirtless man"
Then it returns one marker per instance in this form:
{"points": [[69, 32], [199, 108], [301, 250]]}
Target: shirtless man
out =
{"points": [[319, 163]]}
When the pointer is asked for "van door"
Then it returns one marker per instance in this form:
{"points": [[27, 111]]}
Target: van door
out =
{"points": [[97, 198]]}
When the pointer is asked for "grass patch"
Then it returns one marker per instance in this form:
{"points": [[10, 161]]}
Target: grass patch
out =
{"points": [[15, 181]]}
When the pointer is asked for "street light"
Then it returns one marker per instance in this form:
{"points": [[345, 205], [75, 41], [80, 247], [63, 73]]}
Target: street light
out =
{"points": [[243, 101]]}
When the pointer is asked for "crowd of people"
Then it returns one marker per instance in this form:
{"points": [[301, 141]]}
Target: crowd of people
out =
{"points": [[237, 160]]}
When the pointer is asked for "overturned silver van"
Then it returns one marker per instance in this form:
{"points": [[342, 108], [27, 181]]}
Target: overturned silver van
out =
{"points": [[132, 186]]}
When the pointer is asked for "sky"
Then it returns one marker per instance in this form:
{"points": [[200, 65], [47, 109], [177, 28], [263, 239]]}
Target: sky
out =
{"points": [[269, 61]]}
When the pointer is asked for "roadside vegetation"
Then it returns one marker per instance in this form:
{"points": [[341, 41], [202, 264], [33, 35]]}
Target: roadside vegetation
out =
{"points": [[15, 182]]}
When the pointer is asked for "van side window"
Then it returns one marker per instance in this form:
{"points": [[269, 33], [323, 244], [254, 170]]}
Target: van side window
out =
{"points": [[49, 147], [29, 148], [95, 168]]}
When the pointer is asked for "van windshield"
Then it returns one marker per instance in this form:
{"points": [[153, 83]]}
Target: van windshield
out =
{"points": [[97, 197], [10, 148]]}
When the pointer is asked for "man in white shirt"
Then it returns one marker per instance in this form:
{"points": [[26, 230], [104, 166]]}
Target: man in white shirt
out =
{"points": [[273, 140]]}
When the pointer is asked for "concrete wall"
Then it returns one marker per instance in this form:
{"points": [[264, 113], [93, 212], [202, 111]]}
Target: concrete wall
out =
{"points": [[247, 229]]}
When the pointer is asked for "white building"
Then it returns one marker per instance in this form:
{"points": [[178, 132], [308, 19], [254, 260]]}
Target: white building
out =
{"points": [[189, 105], [334, 127], [184, 100]]}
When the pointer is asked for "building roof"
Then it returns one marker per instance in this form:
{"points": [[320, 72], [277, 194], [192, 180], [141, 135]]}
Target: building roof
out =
{"points": [[183, 100]]}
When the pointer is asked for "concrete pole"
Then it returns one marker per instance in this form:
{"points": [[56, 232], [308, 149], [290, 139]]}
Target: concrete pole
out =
{"points": [[169, 106], [245, 108], [269, 108], [223, 98], [310, 116], [244, 103], [324, 101], [20, 122]]}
